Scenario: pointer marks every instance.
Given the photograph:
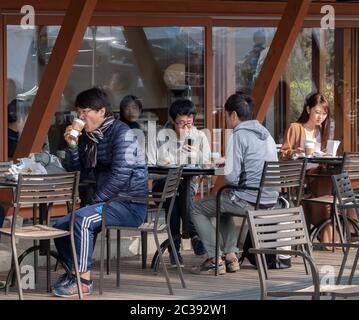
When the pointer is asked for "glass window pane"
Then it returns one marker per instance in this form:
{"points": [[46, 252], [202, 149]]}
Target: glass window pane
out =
{"points": [[156, 64]]}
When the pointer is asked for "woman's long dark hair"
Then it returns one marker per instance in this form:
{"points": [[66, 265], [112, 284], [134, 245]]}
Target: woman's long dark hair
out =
{"points": [[312, 101]]}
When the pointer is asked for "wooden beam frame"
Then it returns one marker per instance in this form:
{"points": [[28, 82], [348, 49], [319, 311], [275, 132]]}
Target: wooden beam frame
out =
{"points": [[55, 76], [208, 73], [177, 8], [278, 54], [319, 55], [3, 108], [342, 88]]}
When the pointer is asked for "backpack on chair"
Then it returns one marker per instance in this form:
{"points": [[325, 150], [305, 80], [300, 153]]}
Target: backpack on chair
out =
{"points": [[273, 261]]}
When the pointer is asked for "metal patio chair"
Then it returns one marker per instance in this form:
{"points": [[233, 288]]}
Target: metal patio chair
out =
{"points": [[280, 175], [346, 200], [4, 167], [156, 223], [270, 231], [350, 164], [42, 190]]}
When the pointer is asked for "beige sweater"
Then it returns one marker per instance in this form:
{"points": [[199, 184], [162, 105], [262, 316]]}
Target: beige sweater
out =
{"points": [[294, 138]]}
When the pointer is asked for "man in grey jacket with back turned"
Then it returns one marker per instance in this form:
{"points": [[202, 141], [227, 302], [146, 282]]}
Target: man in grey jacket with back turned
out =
{"points": [[249, 147]]}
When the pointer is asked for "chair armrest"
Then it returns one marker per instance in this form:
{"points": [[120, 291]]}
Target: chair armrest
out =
{"points": [[128, 198], [235, 187], [338, 245], [305, 256], [284, 252], [348, 206]]}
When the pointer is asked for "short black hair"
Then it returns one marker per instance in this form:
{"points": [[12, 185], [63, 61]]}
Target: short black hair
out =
{"points": [[126, 100], [182, 107], [12, 111], [242, 104], [95, 99]]}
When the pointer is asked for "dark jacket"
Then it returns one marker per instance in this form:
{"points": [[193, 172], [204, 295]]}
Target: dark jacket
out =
{"points": [[121, 166]]}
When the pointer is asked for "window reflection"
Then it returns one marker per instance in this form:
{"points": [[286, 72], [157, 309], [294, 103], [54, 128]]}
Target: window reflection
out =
{"points": [[156, 64]]}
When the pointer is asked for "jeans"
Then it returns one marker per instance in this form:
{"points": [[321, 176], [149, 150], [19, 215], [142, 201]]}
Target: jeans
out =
{"points": [[88, 223], [2, 216], [175, 223], [202, 215]]}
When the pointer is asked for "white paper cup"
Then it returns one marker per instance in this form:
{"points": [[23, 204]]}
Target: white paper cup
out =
{"points": [[77, 126], [309, 147]]}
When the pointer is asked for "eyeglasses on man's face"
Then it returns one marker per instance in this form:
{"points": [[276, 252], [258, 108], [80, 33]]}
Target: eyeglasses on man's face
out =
{"points": [[83, 112], [183, 123]]}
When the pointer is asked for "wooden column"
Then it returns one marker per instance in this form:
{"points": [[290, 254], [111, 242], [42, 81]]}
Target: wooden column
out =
{"points": [[342, 88], [3, 108], [354, 117], [278, 54], [319, 55], [53, 82], [209, 71]]}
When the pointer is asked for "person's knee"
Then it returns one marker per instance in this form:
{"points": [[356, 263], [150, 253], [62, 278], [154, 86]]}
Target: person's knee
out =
{"points": [[62, 223]]}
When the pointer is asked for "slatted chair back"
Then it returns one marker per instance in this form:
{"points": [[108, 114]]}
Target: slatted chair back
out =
{"points": [[46, 189], [170, 188], [172, 182], [346, 198], [4, 167], [275, 231], [278, 228], [351, 165], [50, 188], [283, 174]]}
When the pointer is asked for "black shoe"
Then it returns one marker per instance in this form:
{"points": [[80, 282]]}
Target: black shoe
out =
{"points": [[173, 260], [198, 247], [280, 264]]}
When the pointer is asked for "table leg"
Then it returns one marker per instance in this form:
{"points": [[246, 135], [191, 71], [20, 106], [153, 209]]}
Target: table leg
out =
{"points": [[144, 249], [184, 198]]}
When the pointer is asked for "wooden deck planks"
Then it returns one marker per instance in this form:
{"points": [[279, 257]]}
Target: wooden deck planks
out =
{"points": [[139, 284]]}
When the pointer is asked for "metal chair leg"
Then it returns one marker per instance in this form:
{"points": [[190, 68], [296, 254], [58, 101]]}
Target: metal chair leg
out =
{"points": [[355, 263], [118, 257], [144, 249], [48, 268], [337, 221], [77, 273], [102, 261], [174, 252], [163, 263], [217, 241], [342, 266], [108, 251], [17, 268]]}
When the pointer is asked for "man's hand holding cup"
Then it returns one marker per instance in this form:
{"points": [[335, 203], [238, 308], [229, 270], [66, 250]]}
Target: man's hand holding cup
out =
{"points": [[73, 132]]}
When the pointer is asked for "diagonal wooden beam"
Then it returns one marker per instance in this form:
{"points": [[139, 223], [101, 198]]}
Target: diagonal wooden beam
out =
{"points": [[3, 102], [278, 54], [56, 73]]}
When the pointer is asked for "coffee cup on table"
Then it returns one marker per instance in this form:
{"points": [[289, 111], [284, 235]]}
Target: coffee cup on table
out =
{"points": [[309, 147], [77, 126]]}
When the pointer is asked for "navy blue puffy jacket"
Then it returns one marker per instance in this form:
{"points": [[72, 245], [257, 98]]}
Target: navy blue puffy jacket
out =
{"points": [[121, 167]]}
